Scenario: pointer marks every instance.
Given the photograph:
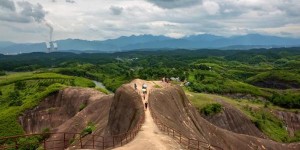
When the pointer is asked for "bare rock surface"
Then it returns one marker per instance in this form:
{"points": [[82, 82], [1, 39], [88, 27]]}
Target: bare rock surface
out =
{"points": [[174, 109], [233, 119]]}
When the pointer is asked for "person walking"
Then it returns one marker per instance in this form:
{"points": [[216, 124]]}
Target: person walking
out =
{"points": [[146, 105], [135, 86]]}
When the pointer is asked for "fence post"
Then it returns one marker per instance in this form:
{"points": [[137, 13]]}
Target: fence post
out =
{"points": [[93, 141], [64, 140], [103, 142], [80, 141], [173, 133], [113, 141], [16, 142], [180, 137], [44, 143], [121, 141]]}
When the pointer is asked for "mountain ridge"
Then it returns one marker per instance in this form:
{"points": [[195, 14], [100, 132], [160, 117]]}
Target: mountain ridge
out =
{"points": [[146, 41]]}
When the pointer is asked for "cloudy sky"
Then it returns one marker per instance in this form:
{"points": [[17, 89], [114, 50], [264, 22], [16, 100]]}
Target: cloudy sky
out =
{"points": [[31, 20]]}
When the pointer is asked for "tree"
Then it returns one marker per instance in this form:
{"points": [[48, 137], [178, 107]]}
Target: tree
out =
{"points": [[20, 85], [14, 98]]}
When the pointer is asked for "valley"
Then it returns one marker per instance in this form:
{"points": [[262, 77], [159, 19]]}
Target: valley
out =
{"points": [[253, 98]]}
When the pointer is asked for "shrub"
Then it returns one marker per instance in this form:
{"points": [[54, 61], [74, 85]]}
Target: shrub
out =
{"points": [[45, 133], [89, 129], [82, 106], [156, 86], [16, 103], [2, 73], [266, 104], [20, 85], [14, 98], [211, 109]]}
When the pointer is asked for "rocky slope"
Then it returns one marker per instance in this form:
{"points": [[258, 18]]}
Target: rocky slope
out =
{"points": [[57, 108], [291, 120], [174, 109], [234, 120]]}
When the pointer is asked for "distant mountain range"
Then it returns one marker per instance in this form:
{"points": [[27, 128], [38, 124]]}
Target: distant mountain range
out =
{"points": [[141, 42]]}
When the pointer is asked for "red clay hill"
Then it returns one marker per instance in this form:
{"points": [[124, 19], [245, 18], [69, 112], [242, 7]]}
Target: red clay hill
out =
{"points": [[73, 109]]}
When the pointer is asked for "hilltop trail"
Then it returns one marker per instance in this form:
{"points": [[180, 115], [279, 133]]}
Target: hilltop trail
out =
{"points": [[150, 137]]}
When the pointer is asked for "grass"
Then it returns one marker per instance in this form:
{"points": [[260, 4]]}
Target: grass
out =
{"points": [[211, 109], [156, 85], [82, 106], [12, 78], [215, 82], [89, 129], [269, 124], [199, 100], [282, 76], [103, 90]]}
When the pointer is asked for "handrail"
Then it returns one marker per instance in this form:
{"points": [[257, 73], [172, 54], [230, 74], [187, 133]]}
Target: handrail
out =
{"points": [[190, 143], [14, 142]]}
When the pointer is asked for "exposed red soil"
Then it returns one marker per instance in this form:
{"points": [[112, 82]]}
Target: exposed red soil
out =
{"points": [[174, 109], [234, 120], [291, 120], [126, 110], [119, 113], [57, 109]]}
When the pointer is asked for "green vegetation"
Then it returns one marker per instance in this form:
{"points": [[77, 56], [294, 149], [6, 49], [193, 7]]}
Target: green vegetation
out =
{"points": [[283, 76], [249, 73], [269, 124], [259, 112], [103, 90], [82, 106], [287, 99], [2, 73], [211, 109], [22, 91], [89, 129], [199, 100]]}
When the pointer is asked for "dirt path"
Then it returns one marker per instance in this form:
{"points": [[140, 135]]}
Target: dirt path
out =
{"points": [[150, 137]]}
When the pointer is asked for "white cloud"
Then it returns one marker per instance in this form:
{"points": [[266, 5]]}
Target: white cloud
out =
{"points": [[170, 4], [211, 7], [102, 19]]}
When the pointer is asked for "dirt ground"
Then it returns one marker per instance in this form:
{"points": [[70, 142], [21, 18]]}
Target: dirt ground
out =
{"points": [[150, 137]]}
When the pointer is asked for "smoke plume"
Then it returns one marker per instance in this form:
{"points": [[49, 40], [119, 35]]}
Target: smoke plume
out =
{"points": [[51, 30], [26, 13]]}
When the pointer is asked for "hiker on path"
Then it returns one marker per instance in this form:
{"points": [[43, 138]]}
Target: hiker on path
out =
{"points": [[146, 105], [135, 86], [144, 88]]}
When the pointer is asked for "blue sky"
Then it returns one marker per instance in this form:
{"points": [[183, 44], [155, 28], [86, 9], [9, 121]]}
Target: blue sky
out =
{"points": [[26, 20]]}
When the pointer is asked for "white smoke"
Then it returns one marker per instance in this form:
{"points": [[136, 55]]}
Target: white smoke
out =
{"points": [[26, 12], [51, 30]]}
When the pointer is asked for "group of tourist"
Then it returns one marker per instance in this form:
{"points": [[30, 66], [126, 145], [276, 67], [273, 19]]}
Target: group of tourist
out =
{"points": [[144, 91]]}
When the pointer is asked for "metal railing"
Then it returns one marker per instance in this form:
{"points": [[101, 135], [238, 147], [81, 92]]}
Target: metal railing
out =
{"points": [[189, 143], [64, 140]]}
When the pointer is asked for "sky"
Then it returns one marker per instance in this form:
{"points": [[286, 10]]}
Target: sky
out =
{"points": [[32, 20]]}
